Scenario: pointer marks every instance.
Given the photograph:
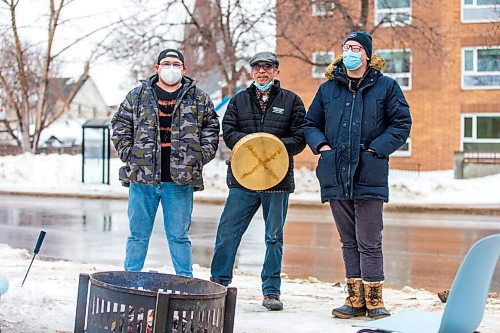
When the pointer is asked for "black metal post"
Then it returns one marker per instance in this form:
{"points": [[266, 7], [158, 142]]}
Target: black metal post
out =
{"points": [[83, 155], [229, 310], [81, 303], [109, 151], [161, 313], [103, 154]]}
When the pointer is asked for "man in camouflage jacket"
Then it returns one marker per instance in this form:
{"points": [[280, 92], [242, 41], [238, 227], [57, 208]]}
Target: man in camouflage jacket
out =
{"points": [[165, 131]]}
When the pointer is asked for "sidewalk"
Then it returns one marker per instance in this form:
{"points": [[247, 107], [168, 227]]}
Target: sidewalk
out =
{"points": [[47, 302], [295, 201]]}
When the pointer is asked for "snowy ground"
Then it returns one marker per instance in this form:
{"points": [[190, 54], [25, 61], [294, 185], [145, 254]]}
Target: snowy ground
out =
{"points": [[62, 174], [47, 302]]}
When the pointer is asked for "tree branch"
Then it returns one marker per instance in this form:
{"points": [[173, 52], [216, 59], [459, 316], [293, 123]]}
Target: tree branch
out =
{"points": [[78, 40]]}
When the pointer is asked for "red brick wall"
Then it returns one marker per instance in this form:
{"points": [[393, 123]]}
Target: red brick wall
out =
{"points": [[436, 98]]}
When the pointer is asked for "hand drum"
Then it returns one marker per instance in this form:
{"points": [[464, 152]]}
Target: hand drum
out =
{"points": [[259, 161]]}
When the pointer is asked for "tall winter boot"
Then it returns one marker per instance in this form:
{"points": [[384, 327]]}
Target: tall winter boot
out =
{"points": [[354, 305], [374, 301]]}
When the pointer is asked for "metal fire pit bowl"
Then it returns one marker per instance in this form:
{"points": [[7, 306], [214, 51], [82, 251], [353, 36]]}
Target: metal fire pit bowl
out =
{"points": [[140, 302]]}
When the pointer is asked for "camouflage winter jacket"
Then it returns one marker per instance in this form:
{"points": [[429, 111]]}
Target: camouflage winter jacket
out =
{"points": [[136, 135]]}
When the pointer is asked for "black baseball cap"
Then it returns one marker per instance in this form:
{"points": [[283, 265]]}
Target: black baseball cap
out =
{"points": [[174, 53]]}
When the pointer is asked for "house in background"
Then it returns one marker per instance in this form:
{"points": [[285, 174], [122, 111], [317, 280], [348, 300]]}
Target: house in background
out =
{"points": [[454, 94], [87, 103]]}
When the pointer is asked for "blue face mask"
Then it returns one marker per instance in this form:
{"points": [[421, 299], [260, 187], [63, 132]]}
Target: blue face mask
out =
{"points": [[351, 60], [264, 87]]}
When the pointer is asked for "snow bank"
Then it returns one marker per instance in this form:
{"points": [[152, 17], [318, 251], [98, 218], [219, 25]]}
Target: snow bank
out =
{"points": [[62, 173], [47, 302]]}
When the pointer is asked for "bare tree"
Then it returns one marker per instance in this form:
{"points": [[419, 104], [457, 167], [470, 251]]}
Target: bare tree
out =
{"points": [[213, 33], [26, 70], [336, 18]]}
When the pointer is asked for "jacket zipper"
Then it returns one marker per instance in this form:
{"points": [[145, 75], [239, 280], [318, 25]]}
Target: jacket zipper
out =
{"points": [[268, 106], [179, 99], [157, 181], [349, 152], [350, 182], [178, 103], [176, 107], [262, 113]]}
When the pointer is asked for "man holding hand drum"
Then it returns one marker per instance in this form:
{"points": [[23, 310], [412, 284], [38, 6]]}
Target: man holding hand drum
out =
{"points": [[263, 128]]}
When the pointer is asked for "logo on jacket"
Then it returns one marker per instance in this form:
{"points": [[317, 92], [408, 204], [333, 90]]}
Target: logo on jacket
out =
{"points": [[278, 110]]}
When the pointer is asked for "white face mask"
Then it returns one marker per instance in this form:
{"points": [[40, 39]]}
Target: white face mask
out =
{"points": [[171, 75]]}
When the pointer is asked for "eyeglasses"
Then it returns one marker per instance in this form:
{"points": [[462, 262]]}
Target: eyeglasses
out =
{"points": [[354, 48], [173, 64], [265, 67]]}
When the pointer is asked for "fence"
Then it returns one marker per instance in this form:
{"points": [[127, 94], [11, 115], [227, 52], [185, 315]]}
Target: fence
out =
{"points": [[487, 157], [406, 167], [476, 164]]}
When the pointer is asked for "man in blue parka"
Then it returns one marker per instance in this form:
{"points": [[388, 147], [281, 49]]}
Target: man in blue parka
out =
{"points": [[356, 120]]}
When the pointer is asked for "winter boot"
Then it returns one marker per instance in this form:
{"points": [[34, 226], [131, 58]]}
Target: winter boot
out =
{"points": [[272, 302], [443, 295], [354, 305], [374, 301]]}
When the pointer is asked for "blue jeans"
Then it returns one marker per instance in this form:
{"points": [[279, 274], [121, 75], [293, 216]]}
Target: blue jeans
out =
{"points": [[241, 205], [177, 204]]}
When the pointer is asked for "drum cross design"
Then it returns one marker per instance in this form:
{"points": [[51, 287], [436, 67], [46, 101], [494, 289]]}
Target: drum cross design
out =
{"points": [[259, 161]]}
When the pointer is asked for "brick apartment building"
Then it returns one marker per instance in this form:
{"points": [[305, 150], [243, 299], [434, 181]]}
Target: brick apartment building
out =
{"points": [[444, 54]]}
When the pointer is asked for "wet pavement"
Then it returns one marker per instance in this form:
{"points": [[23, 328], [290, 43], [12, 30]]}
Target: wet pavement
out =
{"points": [[422, 250]]}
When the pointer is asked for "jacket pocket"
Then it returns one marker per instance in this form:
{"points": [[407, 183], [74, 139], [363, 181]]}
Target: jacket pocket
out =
{"points": [[373, 170], [124, 175], [326, 171], [133, 155]]}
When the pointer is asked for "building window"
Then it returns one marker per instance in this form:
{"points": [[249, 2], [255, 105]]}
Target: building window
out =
{"points": [[474, 11], [322, 7], [404, 150], [397, 66], [481, 67], [321, 60], [481, 132], [390, 13]]}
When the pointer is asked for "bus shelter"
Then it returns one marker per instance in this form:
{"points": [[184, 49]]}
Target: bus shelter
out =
{"points": [[96, 148]]}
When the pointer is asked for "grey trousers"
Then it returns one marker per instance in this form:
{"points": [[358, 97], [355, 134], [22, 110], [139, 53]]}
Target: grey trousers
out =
{"points": [[359, 223]]}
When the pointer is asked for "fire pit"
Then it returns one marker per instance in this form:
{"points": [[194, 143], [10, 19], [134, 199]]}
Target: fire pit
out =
{"points": [[140, 302]]}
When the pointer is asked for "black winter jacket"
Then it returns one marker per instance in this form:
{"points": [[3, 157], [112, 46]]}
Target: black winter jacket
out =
{"points": [[284, 118], [376, 116]]}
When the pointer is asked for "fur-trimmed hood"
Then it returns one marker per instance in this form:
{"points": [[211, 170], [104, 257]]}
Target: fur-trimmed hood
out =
{"points": [[376, 62]]}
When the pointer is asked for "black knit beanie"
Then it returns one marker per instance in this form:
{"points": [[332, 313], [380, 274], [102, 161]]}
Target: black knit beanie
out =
{"points": [[363, 38]]}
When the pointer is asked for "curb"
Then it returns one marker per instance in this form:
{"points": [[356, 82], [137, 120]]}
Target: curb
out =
{"points": [[475, 209], [71, 195], [491, 210]]}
